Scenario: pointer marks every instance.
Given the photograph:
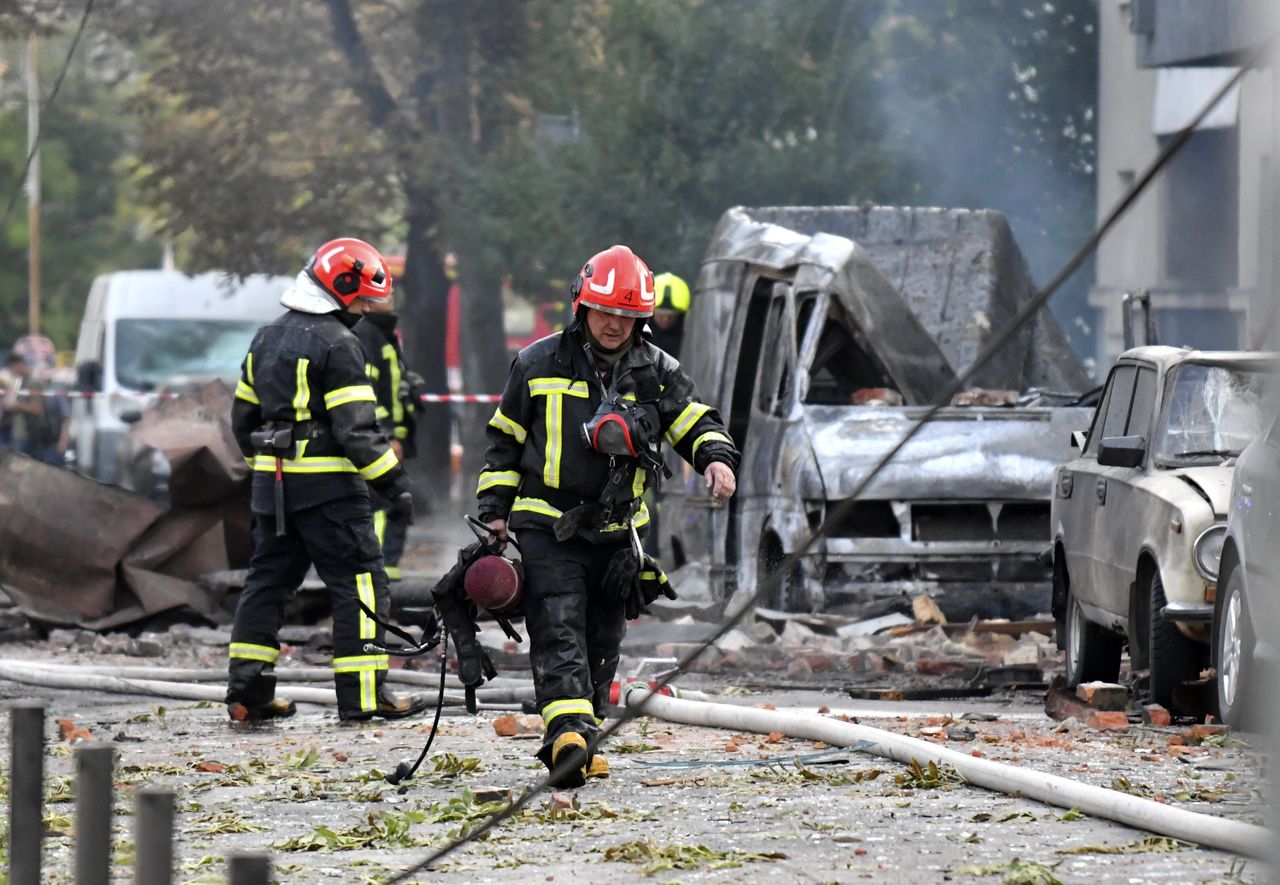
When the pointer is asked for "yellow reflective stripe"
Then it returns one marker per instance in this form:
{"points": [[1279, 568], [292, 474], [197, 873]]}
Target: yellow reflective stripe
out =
{"points": [[637, 485], [401, 432], [381, 412], [380, 526], [552, 386], [245, 392], [572, 707], [267, 464], [685, 421], [359, 663], [248, 367], [536, 505], [250, 652], [507, 426], [364, 589], [491, 478], [372, 371], [368, 691], [709, 436], [551, 465], [381, 466], [302, 394], [356, 393], [393, 366], [394, 573], [641, 519]]}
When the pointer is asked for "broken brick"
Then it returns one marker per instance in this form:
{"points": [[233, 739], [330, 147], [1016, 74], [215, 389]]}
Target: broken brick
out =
{"points": [[506, 726], [1200, 732], [1108, 720], [1154, 714], [1103, 695]]}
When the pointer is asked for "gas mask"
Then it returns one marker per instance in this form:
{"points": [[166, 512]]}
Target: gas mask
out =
{"points": [[622, 428]]}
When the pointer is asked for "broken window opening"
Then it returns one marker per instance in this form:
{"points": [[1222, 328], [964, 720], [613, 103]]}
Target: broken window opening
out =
{"points": [[843, 364]]}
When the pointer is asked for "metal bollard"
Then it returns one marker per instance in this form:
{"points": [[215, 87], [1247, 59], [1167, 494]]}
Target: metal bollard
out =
{"points": [[94, 769], [153, 837], [26, 796], [249, 868]]}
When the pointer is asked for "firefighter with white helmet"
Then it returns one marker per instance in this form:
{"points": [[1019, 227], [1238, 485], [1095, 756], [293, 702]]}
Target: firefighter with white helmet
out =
{"points": [[304, 419], [573, 446]]}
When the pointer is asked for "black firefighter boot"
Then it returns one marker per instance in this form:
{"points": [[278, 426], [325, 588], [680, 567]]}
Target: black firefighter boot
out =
{"points": [[392, 706], [251, 694]]}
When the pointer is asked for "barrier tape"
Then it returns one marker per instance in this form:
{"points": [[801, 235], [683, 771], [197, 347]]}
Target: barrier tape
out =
{"points": [[90, 394]]}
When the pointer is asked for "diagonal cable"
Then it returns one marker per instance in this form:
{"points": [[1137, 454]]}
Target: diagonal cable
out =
{"points": [[53, 94], [837, 513]]}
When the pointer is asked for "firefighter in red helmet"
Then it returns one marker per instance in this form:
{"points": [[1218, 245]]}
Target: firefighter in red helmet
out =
{"points": [[304, 419], [573, 445]]}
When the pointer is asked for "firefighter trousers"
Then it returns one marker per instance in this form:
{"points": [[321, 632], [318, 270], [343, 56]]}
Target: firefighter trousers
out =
{"points": [[338, 538], [575, 631], [392, 532]]}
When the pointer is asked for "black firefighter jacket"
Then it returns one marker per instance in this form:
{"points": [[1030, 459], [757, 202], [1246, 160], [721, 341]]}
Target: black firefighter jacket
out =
{"points": [[537, 465], [384, 363], [308, 370]]}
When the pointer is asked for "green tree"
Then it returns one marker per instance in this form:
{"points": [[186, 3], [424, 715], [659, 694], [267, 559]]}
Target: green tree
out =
{"points": [[90, 218]]}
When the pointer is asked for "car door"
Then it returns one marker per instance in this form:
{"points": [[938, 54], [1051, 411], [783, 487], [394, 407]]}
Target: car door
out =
{"points": [[1082, 490], [1124, 510], [1258, 509]]}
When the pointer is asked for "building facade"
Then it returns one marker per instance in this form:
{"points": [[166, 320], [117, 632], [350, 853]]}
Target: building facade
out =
{"points": [[1201, 237]]}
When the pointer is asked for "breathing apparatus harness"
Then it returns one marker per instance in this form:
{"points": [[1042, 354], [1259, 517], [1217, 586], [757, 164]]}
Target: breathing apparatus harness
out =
{"points": [[457, 620]]}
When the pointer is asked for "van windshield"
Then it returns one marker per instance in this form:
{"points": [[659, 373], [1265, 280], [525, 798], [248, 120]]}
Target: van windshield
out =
{"points": [[151, 353]]}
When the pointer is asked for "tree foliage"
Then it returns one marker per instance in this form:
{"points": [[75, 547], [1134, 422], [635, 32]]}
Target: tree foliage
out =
{"points": [[524, 136]]}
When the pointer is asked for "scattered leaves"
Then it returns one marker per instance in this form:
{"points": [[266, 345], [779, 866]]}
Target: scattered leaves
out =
{"points": [[654, 858], [633, 747], [448, 765], [1016, 872], [931, 777], [1151, 844], [381, 829], [304, 758], [221, 823]]}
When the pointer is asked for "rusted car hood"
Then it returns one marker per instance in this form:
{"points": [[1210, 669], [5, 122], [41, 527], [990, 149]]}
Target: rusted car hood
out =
{"points": [[962, 453], [1213, 483]]}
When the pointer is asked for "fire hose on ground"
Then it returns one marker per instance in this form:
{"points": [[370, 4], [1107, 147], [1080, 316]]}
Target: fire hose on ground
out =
{"points": [[1144, 814], [69, 677]]}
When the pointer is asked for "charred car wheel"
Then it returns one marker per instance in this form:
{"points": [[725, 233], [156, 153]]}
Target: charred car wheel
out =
{"points": [[1093, 654], [1172, 657], [1234, 670], [788, 595]]}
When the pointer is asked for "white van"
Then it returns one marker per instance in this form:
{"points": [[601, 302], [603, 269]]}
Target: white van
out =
{"points": [[148, 331]]}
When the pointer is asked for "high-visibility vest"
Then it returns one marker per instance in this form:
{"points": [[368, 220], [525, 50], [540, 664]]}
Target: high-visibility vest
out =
{"points": [[670, 293]]}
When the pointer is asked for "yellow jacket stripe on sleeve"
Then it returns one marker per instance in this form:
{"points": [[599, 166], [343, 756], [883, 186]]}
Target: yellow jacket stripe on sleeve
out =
{"points": [[685, 421], [381, 466], [492, 478], [357, 393], [501, 422]]}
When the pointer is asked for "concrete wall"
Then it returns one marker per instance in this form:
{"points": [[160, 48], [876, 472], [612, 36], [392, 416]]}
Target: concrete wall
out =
{"points": [[1134, 254]]}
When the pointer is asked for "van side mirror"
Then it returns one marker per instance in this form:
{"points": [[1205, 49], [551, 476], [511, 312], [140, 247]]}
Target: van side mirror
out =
{"points": [[1122, 451], [89, 376]]}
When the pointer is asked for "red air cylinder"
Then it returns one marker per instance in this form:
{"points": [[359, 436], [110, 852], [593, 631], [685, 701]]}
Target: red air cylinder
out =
{"points": [[493, 583]]}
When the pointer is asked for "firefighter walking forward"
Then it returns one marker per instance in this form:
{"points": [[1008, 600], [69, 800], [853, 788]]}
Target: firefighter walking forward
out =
{"points": [[304, 419], [572, 447]]}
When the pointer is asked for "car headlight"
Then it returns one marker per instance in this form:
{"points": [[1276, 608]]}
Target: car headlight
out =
{"points": [[1207, 551]]}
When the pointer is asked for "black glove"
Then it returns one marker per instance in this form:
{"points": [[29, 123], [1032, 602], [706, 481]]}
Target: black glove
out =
{"points": [[637, 582], [401, 507]]}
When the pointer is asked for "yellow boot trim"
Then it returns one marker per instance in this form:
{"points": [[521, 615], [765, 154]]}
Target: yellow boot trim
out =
{"points": [[599, 767]]}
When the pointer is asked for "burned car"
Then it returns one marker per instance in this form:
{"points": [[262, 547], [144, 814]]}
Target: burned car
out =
{"points": [[1139, 516], [819, 365]]}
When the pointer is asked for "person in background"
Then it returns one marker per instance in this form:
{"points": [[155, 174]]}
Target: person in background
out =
{"points": [[397, 390], [671, 303], [24, 409]]}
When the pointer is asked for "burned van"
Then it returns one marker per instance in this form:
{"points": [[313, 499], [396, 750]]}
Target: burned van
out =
{"points": [[822, 335]]}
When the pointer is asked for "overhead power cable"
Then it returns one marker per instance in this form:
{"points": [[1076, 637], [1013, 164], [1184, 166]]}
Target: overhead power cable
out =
{"points": [[837, 514], [53, 94]]}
